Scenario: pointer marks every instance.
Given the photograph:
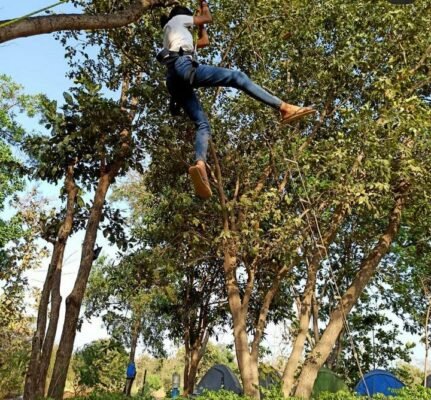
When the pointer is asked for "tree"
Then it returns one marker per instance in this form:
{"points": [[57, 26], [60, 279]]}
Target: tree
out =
{"points": [[13, 102], [410, 280], [125, 295], [11, 182], [95, 16], [356, 172], [15, 333], [90, 121], [176, 294], [193, 303], [108, 171], [57, 230], [274, 193], [100, 365], [19, 250], [409, 374], [23, 254], [391, 94], [376, 337]]}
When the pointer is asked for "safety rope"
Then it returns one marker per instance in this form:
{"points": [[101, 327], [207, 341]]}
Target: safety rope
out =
{"points": [[13, 21], [332, 280]]}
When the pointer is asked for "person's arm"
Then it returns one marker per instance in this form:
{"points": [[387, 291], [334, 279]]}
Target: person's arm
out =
{"points": [[205, 16], [203, 39]]}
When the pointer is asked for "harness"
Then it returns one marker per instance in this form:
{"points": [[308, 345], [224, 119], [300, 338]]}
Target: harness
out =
{"points": [[168, 58]]}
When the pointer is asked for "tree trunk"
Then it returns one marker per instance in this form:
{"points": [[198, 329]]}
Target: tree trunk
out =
{"points": [[43, 342], [188, 346], [134, 339], [306, 302], [196, 333], [31, 381], [192, 372], [193, 359], [315, 309], [334, 357], [298, 345], [427, 321], [321, 351], [136, 331], [249, 367], [74, 300], [247, 362], [52, 329], [24, 27], [187, 360]]}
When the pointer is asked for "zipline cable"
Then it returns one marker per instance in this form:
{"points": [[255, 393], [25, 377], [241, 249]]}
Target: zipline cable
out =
{"points": [[13, 21]]}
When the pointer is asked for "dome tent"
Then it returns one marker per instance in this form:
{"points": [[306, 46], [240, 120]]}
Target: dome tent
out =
{"points": [[219, 377], [379, 381], [328, 381]]}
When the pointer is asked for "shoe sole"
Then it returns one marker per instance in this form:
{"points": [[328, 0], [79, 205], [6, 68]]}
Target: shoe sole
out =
{"points": [[297, 115], [202, 189]]}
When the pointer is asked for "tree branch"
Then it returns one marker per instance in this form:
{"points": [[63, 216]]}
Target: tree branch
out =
{"points": [[61, 22]]}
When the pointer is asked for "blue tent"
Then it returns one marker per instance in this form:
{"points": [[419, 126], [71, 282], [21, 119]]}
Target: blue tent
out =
{"points": [[219, 377], [378, 381]]}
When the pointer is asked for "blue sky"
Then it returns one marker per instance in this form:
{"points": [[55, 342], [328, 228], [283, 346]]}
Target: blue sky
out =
{"points": [[38, 64]]}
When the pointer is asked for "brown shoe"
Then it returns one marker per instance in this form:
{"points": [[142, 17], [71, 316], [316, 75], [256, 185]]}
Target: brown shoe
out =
{"points": [[200, 182], [301, 112]]}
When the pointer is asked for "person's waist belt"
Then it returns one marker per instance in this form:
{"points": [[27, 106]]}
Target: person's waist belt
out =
{"points": [[168, 58]]}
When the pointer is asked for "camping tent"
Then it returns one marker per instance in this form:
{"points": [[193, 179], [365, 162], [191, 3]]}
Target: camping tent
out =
{"points": [[219, 377], [378, 381], [328, 381], [429, 381]]}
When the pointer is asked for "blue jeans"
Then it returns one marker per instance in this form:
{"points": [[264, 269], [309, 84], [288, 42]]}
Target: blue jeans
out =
{"points": [[208, 76]]}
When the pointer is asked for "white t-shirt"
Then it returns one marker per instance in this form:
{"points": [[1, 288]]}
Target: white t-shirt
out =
{"points": [[177, 34]]}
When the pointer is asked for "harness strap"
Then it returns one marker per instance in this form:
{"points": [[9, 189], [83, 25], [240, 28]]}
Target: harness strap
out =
{"points": [[168, 58]]}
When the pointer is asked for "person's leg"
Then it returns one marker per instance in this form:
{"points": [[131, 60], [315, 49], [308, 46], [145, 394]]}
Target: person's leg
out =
{"points": [[188, 99], [209, 76], [193, 108], [198, 173]]}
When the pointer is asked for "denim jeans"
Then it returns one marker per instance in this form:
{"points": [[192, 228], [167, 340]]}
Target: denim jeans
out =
{"points": [[208, 76]]}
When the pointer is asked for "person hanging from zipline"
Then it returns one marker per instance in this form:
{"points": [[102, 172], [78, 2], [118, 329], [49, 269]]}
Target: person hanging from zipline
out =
{"points": [[184, 74]]}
